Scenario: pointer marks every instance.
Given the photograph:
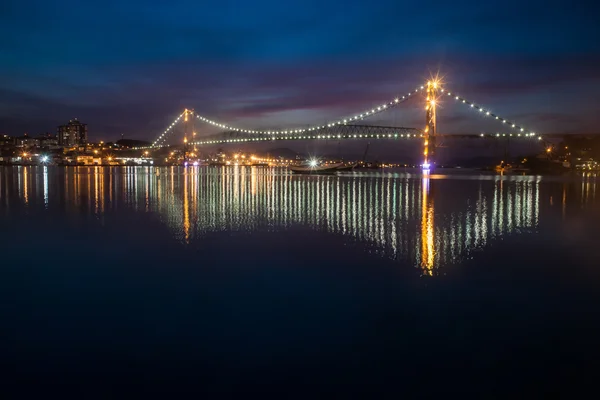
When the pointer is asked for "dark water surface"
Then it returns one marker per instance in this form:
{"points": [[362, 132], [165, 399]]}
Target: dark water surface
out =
{"points": [[234, 281]]}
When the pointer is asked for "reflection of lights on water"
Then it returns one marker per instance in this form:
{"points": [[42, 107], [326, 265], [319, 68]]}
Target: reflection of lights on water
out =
{"points": [[427, 230], [394, 216]]}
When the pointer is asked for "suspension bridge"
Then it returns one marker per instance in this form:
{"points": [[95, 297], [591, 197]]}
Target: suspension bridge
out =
{"points": [[431, 93]]}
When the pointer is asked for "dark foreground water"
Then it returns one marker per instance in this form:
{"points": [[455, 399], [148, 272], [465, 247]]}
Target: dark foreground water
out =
{"points": [[230, 282]]}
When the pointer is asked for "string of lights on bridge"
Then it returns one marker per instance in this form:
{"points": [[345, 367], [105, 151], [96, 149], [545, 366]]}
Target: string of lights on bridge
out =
{"points": [[521, 131], [374, 136], [311, 132], [162, 137], [358, 117]]}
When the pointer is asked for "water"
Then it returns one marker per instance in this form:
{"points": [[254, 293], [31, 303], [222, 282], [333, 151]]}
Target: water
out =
{"points": [[229, 281]]}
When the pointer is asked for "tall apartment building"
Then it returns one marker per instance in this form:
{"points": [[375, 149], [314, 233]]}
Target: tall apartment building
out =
{"points": [[72, 134]]}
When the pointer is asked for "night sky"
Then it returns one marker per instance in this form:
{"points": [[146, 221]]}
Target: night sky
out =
{"points": [[131, 67]]}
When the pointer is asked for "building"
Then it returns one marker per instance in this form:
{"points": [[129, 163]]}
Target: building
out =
{"points": [[26, 141], [72, 134], [48, 141], [89, 160], [7, 141]]}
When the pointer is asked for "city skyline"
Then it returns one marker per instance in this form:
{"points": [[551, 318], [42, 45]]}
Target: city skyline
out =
{"points": [[265, 66]]}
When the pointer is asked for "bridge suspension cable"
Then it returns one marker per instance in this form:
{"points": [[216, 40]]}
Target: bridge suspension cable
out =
{"points": [[521, 131], [343, 121], [162, 137]]}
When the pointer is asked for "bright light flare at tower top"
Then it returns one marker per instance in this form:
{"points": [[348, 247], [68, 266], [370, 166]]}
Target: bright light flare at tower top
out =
{"points": [[436, 80]]}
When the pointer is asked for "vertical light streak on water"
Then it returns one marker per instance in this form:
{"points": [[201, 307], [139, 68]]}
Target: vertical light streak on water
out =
{"points": [[501, 215], [468, 229], [224, 192], [318, 203], [296, 200], [315, 203], [453, 230], [194, 197], [186, 206], [536, 203], [371, 202], [405, 206], [526, 198], [308, 215], [518, 210], [45, 183], [370, 210], [88, 188], [427, 230], [392, 209], [376, 211], [484, 221], [509, 209], [301, 203], [494, 208], [26, 185], [460, 232], [324, 203], [528, 203], [354, 207], [133, 189], [328, 206], [20, 181], [339, 207], [360, 207], [111, 200], [382, 213], [96, 189], [343, 212], [284, 198]]}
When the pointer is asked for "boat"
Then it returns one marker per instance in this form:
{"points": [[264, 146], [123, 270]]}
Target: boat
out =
{"points": [[345, 168], [503, 168], [316, 169], [369, 165]]}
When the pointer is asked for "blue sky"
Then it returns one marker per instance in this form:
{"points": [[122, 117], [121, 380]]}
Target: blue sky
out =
{"points": [[131, 68]]}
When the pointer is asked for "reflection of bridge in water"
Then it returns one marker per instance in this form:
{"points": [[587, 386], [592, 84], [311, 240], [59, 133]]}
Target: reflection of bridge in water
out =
{"points": [[399, 216], [395, 215]]}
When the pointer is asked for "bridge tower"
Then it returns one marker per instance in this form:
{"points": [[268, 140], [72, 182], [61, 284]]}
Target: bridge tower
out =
{"points": [[185, 136], [430, 123], [193, 130]]}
